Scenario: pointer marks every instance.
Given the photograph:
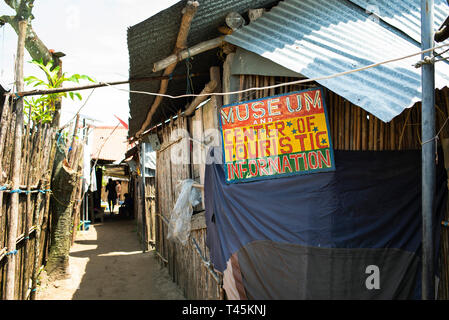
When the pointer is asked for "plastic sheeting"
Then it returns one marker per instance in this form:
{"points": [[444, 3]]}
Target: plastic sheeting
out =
{"points": [[179, 224], [319, 236]]}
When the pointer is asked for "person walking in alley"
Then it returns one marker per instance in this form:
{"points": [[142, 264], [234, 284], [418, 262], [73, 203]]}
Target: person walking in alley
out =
{"points": [[112, 194], [118, 190]]}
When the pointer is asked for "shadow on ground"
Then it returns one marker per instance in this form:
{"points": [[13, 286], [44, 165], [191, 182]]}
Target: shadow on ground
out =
{"points": [[117, 268]]}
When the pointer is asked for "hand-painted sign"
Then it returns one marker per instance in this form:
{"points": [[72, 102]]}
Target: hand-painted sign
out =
{"points": [[276, 136]]}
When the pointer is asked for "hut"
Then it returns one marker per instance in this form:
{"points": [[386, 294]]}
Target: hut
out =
{"points": [[107, 146], [286, 233]]}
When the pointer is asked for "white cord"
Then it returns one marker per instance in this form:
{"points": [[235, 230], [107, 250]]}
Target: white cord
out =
{"points": [[281, 84]]}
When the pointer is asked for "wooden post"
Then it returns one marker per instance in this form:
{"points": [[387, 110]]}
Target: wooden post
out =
{"points": [[3, 128], [209, 88], [30, 150], [143, 193], [230, 82], [14, 212], [72, 145], [57, 113]]}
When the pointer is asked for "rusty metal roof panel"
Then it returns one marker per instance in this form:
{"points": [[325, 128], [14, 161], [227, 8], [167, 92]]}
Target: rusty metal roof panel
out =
{"points": [[318, 38]]}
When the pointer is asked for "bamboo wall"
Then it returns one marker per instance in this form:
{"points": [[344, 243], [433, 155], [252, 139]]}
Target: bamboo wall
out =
{"points": [[187, 264], [352, 128], [34, 221]]}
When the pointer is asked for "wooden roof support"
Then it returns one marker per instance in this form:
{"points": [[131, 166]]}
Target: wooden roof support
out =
{"points": [[192, 51], [181, 44]]}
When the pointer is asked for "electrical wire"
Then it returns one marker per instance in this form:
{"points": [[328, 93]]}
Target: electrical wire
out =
{"points": [[284, 83], [79, 110]]}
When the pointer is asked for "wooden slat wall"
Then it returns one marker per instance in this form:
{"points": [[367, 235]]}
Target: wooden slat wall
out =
{"points": [[184, 263], [150, 198], [146, 233]]}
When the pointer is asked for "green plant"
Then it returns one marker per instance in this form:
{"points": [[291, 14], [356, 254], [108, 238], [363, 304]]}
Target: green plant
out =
{"points": [[39, 110], [44, 107]]}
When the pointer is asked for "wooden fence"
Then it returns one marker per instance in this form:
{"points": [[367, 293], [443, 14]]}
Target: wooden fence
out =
{"points": [[34, 221], [39, 144]]}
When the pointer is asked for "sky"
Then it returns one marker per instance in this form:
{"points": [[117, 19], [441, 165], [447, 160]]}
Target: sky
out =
{"points": [[92, 34]]}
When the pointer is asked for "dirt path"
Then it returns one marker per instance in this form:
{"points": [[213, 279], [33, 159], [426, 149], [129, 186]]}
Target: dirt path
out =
{"points": [[107, 262]]}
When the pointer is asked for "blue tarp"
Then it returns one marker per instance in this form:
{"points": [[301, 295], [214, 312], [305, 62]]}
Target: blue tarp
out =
{"points": [[315, 236]]}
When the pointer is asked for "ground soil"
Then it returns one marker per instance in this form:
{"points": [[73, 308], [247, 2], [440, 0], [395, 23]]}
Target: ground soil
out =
{"points": [[107, 262]]}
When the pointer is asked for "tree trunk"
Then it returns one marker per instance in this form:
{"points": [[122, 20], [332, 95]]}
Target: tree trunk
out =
{"points": [[33, 44], [63, 186]]}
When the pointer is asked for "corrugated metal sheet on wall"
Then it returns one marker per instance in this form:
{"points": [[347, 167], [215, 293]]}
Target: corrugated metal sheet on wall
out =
{"points": [[318, 38]]}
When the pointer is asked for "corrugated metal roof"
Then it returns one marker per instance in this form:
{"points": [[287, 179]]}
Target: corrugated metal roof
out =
{"points": [[404, 15], [319, 38], [155, 38]]}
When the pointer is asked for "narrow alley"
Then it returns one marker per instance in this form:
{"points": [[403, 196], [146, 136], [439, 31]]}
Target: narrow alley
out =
{"points": [[107, 262]]}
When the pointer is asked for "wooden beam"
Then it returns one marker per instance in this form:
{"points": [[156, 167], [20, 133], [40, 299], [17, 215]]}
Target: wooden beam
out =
{"points": [[192, 51], [209, 88], [100, 84], [230, 82]]}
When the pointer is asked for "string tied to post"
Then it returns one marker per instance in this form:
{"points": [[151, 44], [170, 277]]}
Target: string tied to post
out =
{"points": [[11, 253], [435, 138]]}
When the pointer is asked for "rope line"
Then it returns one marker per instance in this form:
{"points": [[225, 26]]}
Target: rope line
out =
{"points": [[11, 253], [6, 189]]}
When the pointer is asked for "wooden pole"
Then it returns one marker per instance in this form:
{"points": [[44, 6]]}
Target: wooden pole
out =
{"points": [[58, 102], [3, 128], [72, 145], [181, 43], [192, 51], [101, 84], [14, 212], [209, 88], [28, 213]]}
